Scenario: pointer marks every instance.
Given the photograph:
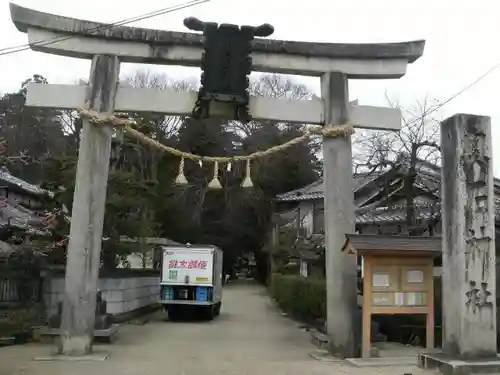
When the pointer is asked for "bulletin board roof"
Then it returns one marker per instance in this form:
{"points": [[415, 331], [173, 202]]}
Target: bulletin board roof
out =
{"points": [[364, 243]]}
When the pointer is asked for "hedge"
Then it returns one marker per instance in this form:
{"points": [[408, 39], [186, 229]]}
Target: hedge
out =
{"points": [[302, 298], [305, 299]]}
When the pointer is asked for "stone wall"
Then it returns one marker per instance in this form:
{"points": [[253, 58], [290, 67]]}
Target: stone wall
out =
{"points": [[124, 290]]}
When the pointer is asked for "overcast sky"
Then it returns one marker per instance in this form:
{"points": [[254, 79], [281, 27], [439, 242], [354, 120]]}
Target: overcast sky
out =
{"points": [[462, 38]]}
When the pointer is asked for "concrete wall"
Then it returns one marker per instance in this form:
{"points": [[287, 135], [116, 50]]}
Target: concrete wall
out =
{"points": [[123, 294], [136, 260]]}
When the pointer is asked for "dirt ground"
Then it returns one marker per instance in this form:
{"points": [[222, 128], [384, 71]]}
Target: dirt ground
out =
{"points": [[249, 337]]}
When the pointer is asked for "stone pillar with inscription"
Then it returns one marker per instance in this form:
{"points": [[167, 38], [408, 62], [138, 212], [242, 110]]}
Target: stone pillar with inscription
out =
{"points": [[469, 308]]}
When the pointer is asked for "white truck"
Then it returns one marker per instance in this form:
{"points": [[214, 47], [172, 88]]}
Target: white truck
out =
{"points": [[191, 278]]}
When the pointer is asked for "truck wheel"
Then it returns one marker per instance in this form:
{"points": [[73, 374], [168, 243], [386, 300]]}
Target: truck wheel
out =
{"points": [[217, 308], [173, 313], [209, 312]]}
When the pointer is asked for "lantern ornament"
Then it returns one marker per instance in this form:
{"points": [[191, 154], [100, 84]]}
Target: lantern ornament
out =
{"points": [[225, 65]]}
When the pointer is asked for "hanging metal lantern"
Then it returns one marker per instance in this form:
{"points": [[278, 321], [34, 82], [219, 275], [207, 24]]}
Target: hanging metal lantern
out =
{"points": [[225, 65]]}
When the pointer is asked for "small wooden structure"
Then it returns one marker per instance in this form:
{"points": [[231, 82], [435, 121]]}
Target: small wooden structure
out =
{"points": [[397, 278]]}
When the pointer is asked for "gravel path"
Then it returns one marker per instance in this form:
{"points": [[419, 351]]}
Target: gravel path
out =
{"points": [[249, 337]]}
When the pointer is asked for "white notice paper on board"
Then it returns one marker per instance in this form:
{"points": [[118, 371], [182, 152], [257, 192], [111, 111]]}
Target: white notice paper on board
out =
{"points": [[415, 276], [380, 280], [399, 299], [412, 299]]}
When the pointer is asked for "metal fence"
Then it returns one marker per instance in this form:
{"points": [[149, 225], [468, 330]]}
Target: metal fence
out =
{"points": [[8, 290], [21, 307], [18, 291]]}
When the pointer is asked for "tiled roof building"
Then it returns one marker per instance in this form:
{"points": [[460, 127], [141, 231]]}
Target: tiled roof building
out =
{"points": [[380, 199], [21, 204]]}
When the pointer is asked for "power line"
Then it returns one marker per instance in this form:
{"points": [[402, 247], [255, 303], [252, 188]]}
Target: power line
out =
{"points": [[106, 26], [458, 93], [27, 46]]}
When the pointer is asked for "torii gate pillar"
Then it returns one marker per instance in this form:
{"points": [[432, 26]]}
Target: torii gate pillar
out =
{"points": [[335, 63], [341, 268]]}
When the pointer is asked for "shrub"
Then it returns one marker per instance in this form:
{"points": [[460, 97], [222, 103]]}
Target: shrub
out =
{"points": [[303, 298]]}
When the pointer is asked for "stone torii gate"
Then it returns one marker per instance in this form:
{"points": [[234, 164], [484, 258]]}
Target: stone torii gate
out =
{"points": [[107, 46]]}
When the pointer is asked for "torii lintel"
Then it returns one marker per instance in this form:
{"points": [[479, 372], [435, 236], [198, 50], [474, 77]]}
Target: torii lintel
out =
{"points": [[83, 39]]}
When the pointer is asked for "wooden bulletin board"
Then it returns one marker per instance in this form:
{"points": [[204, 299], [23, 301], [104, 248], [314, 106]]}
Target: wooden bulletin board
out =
{"points": [[396, 284]]}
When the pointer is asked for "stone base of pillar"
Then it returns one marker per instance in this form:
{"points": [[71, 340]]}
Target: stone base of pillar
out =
{"points": [[95, 356], [107, 335], [455, 366]]}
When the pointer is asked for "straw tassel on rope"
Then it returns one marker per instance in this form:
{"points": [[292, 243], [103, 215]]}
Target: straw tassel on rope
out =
{"points": [[247, 181], [181, 177], [215, 183]]}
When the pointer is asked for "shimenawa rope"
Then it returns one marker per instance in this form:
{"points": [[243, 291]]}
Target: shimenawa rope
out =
{"points": [[127, 125]]}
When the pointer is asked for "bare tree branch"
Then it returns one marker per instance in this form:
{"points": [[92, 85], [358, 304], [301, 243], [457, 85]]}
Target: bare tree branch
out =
{"points": [[407, 150], [23, 157]]}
